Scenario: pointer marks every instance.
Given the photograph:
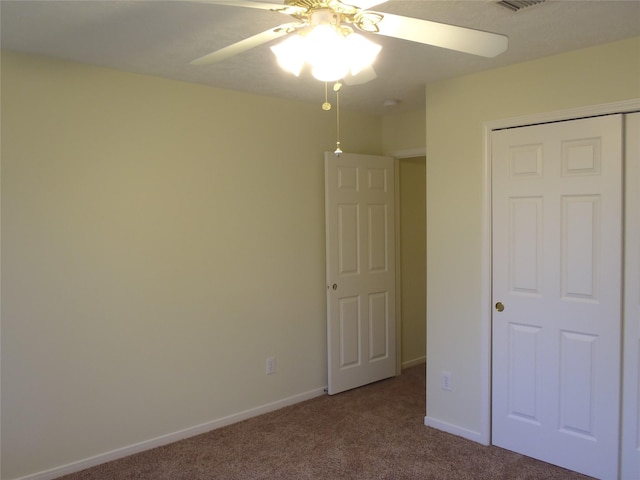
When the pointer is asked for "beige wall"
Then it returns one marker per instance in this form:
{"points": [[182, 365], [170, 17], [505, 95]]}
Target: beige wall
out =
{"points": [[159, 241], [404, 131], [456, 110], [413, 258]]}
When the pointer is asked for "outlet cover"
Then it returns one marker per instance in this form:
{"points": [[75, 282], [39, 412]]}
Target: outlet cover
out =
{"points": [[271, 365], [445, 381]]}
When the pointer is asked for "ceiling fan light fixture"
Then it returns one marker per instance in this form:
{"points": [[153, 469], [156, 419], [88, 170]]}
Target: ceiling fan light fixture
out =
{"points": [[332, 51]]}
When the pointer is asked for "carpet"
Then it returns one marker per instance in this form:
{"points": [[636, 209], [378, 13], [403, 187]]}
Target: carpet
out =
{"points": [[373, 432]]}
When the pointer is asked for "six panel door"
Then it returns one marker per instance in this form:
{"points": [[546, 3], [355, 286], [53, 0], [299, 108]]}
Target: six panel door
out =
{"points": [[557, 227], [359, 202]]}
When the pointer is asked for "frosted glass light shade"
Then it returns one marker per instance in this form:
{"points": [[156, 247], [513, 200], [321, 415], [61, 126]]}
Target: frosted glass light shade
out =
{"points": [[325, 53], [361, 52], [290, 54]]}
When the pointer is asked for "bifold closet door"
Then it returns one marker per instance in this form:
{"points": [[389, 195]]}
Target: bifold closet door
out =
{"points": [[557, 273]]}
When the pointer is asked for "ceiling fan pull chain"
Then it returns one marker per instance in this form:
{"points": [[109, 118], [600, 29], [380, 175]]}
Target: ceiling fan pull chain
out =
{"points": [[336, 88], [326, 106]]}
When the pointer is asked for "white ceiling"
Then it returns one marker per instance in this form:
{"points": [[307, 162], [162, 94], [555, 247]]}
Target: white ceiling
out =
{"points": [[157, 37]]}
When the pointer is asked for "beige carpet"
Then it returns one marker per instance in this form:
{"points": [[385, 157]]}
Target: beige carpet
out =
{"points": [[374, 432]]}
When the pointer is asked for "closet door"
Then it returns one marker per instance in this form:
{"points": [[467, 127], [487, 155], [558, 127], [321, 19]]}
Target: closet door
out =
{"points": [[557, 272]]}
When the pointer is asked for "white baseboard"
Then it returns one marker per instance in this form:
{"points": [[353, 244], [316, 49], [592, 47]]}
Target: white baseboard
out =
{"points": [[454, 430], [172, 437], [414, 362]]}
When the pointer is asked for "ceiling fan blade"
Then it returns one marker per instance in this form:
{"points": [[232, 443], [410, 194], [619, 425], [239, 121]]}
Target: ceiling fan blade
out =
{"points": [[443, 35], [276, 7], [246, 44], [363, 76]]}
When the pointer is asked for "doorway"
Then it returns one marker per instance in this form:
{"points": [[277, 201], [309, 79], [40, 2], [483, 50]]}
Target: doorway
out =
{"points": [[412, 261], [360, 351]]}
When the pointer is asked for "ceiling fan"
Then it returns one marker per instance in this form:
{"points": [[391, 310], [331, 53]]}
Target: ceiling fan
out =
{"points": [[324, 36]]}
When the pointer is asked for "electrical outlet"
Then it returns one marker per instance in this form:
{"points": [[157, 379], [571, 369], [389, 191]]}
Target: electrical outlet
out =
{"points": [[445, 381], [271, 365]]}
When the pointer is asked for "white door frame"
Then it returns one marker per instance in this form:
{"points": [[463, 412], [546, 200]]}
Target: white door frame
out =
{"points": [[626, 106], [397, 156], [629, 439]]}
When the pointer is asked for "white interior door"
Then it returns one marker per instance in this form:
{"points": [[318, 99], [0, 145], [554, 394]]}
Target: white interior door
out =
{"points": [[360, 230], [557, 238]]}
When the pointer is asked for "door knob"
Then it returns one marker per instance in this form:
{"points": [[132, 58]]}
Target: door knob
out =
{"points": [[499, 306], [335, 286]]}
